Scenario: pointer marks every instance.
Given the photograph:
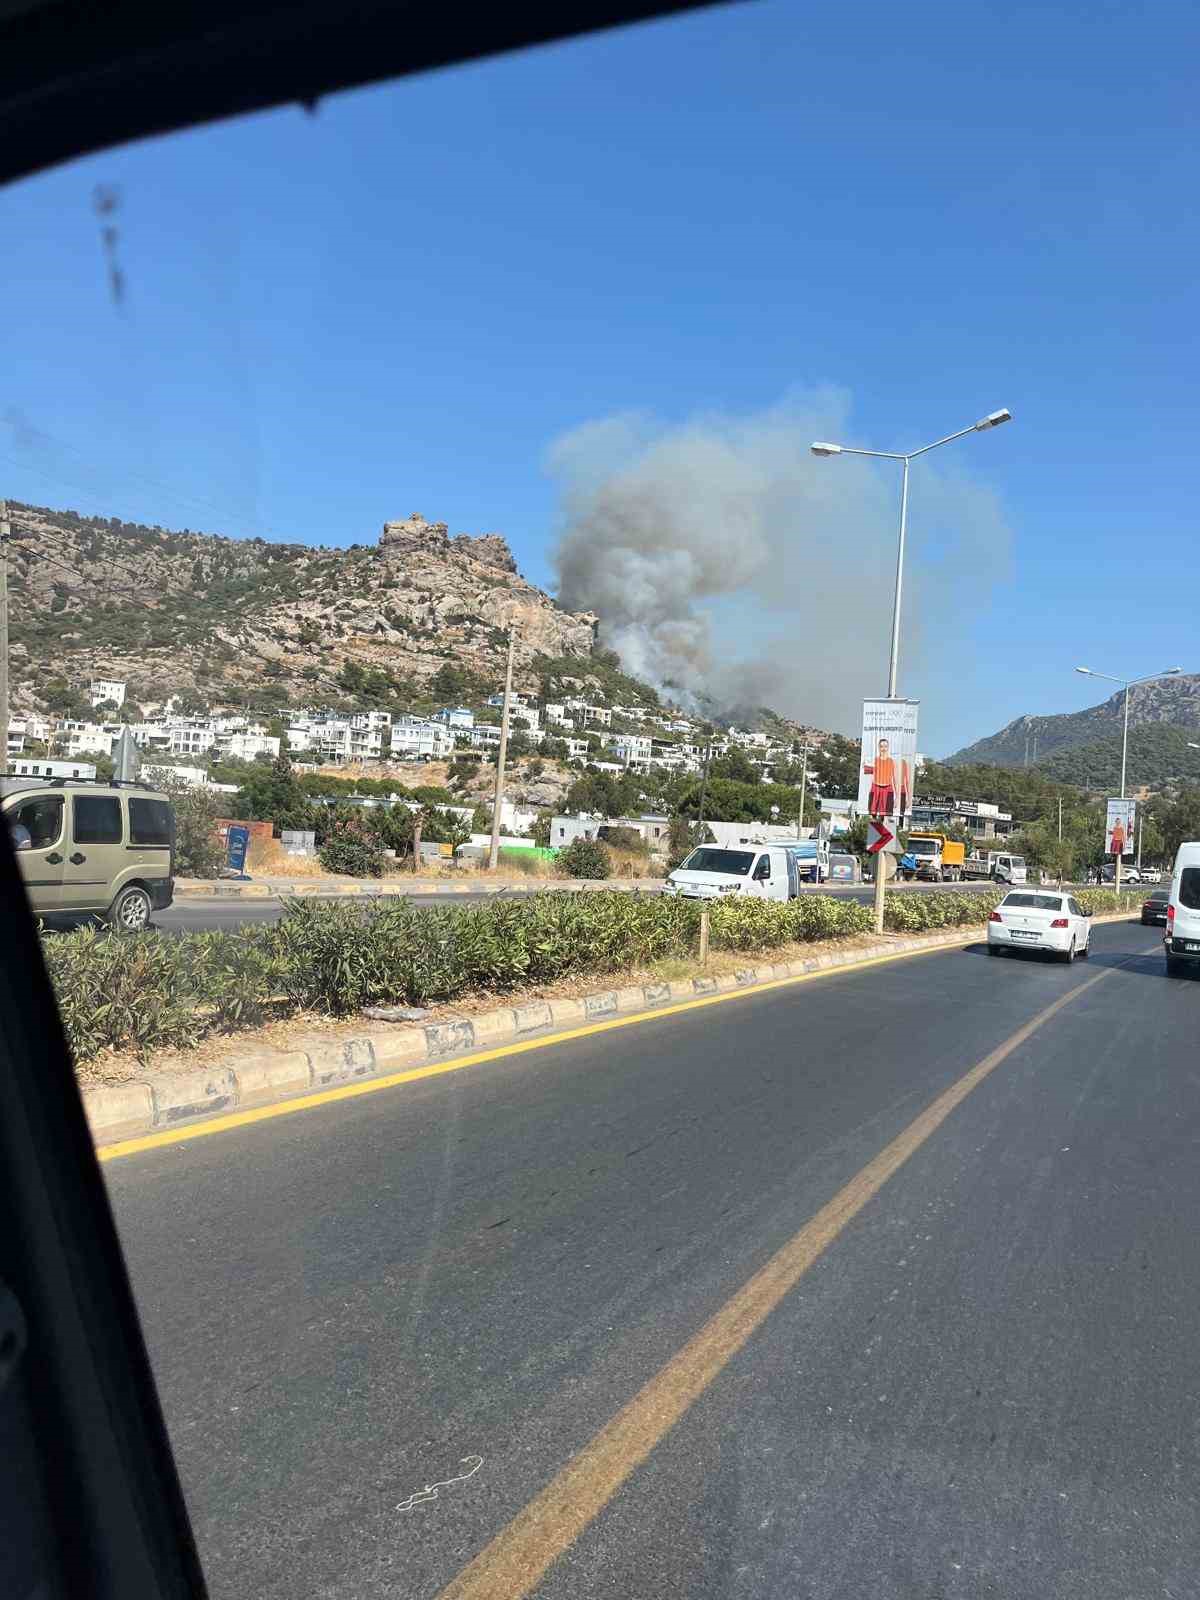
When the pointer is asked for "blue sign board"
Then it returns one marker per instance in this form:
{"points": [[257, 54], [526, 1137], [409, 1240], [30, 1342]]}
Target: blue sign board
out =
{"points": [[236, 842]]}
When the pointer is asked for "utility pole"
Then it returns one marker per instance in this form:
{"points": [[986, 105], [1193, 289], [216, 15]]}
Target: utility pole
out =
{"points": [[704, 781], [4, 717], [1060, 819], [494, 847], [803, 787]]}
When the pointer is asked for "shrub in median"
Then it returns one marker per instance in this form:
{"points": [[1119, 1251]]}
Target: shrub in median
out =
{"points": [[152, 992]]}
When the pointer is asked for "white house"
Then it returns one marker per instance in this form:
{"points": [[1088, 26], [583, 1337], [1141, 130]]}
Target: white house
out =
{"points": [[246, 746], [631, 747], [89, 737], [39, 767], [101, 689], [421, 737], [191, 738], [456, 717]]}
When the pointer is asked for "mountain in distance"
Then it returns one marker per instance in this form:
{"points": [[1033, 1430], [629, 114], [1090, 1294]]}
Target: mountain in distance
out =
{"points": [[1030, 740], [216, 618], [420, 616]]}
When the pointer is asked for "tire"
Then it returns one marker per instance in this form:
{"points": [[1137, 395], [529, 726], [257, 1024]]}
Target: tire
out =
{"points": [[1068, 955], [993, 949], [130, 911], [1087, 949], [1175, 967]]}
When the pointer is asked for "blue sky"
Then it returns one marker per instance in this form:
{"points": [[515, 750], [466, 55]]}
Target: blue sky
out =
{"points": [[403, 302]]}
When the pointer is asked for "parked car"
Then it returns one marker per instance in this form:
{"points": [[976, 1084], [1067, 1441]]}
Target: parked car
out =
{"points": [[92, 848], [1182, 940], [1033, 919], [1151, 875], [1154, 907]]}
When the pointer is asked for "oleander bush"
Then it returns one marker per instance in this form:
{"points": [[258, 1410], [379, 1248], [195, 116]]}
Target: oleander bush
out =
{"points": [[154, 991]]}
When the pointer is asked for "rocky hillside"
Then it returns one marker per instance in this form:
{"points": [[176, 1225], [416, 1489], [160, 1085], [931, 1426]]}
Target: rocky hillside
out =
{"points": [[1175, 701], [219, 618]]}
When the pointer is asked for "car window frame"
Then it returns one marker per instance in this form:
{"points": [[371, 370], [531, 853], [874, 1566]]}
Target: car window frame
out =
{"points": [[98, 844], [12, 814]]}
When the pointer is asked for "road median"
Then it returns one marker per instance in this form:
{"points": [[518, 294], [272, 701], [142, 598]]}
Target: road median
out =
{"points": [[248, 1082], [269, 888]]}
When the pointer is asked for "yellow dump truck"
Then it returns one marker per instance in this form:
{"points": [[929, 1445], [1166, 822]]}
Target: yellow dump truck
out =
{"points": [[937, 858]]}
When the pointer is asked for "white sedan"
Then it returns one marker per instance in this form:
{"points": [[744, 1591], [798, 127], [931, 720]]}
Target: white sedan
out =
{"points": [[1034, 919]]}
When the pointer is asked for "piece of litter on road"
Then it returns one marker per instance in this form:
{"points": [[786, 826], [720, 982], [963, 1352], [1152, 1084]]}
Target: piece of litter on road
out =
{"points": [[395, 1013], [430, 1491]]}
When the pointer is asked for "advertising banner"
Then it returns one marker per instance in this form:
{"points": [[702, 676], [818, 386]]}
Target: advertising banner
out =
{"points": [[1118, 827], [887, 768]]}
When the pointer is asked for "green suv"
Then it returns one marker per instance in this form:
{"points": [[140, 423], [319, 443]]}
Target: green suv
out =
{"points": [[88, 848]]}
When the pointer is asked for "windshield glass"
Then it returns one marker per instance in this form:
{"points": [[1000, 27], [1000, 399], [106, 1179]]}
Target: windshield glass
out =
{"points": [[436, 514], [735, 862]]}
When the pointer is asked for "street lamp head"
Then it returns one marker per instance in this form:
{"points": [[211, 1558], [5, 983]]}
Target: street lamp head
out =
{"points": [[820, 449], [992, 420], [1087, 671], [1172, 672]]}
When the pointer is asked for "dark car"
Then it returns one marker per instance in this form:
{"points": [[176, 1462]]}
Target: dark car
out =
{"points": [[1154, 906]]}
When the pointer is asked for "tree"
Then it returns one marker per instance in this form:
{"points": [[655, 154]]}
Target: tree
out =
{"points": [[736, 765], [541, 830], [273, 794], [198, 851], [683, 837]]}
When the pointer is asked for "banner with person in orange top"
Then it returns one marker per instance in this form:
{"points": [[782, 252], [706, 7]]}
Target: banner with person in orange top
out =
{"points": [[887, 769], [1118, 827]]}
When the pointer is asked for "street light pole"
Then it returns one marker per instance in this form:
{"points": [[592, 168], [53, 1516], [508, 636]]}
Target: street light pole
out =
{"points": [[1129, 683], [821, 448]]}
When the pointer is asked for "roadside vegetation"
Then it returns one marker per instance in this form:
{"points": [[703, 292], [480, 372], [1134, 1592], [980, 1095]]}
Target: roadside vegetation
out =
{"points": [[154, 992]]}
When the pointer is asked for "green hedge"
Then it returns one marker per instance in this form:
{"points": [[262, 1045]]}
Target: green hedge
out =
{"points": [[154, 991]]}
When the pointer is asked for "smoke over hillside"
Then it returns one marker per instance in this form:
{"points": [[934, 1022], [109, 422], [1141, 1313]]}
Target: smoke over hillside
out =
{"points": [[724, 559]]}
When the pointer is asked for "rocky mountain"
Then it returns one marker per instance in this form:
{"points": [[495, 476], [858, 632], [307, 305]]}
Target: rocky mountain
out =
{"points": [[221, 618], [1029, 740]]}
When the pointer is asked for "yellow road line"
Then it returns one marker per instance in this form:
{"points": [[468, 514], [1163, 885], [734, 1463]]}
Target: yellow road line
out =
{"points": [[517, 1559], [351, 1091]]}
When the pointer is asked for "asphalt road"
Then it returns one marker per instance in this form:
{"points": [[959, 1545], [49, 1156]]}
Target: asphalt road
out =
{"points": [[980, 1381], [188, 915]]}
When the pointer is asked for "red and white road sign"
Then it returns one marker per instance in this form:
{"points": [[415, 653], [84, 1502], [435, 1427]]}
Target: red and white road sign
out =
{"points": [[879, 835]]}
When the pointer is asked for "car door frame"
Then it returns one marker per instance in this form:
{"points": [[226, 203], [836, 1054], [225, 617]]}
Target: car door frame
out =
{"points": [[50, 888], [99, 889]]}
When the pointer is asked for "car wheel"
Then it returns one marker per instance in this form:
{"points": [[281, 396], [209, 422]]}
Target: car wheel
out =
{"points": [[1068, 954], [993, 949], [1087, 949], [1174, 967], [130, 911]]}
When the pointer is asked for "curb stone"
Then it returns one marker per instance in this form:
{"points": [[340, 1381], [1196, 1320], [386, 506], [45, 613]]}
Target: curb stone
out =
{"points": [[125, 1110]]}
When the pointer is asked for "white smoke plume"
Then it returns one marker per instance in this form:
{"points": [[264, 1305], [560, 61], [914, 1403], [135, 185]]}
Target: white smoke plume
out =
{"points": [[726, 561]]}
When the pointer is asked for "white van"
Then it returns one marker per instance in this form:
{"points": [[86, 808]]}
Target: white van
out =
{"points": [[1182, 938], [760, 871]]}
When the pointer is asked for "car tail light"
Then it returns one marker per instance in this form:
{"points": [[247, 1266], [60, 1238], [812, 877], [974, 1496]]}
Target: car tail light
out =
{"points": [[995, 917], [1170, 912], [1060, 922]]}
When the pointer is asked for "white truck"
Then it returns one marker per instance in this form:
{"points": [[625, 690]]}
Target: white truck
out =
{"points": [[754, 871], [996, 864]]}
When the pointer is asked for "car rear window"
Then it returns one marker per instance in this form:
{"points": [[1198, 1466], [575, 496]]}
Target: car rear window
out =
{"points": [[1189, 888], [97, 819], [149, 822], [1032, 902]]}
